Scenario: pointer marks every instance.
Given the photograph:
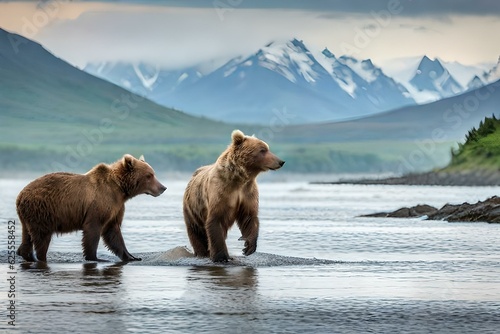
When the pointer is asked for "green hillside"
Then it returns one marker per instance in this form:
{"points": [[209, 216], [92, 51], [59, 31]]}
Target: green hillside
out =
{"points": [[58, 124], [481, 149], [55, 117]]}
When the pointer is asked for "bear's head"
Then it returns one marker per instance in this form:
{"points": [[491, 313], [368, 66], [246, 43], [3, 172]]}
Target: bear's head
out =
{"points": [[253, 154], [137, 177]]}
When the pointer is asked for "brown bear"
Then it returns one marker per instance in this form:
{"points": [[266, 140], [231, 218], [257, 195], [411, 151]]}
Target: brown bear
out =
{"points": [[93, 202], [220, 194]]}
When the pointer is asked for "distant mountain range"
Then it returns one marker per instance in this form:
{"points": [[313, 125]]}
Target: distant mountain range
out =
{"points": [[278, 76], [288, 76]]}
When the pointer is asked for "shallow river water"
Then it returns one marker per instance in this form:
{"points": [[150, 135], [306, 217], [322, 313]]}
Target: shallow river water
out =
{"points": [[318, 269]]}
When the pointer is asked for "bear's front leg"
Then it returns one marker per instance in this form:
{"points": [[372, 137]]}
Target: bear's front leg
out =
{"points": [[112, 236], [249, 227], [250, 246], [216, 240]]}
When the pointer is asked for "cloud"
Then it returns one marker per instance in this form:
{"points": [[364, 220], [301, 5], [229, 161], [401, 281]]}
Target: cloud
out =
{"points": [[170, 37], [418, 28], [174, 34], [411, 7]]}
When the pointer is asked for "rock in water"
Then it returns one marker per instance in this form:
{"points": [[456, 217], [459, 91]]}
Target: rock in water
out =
{"points": [[174, 254], [487, 211], [414, 211]]}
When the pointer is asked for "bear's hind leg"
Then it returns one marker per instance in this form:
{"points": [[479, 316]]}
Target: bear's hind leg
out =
{"points": [[90, 241], [26, 248], [42, 245], [198, 238], [217, 240]]}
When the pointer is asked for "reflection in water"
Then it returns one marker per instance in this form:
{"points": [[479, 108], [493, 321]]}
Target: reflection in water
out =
{"points": [[88, 269], [94, 290], [229, 277], [106, 276], [34, 266], [228, 292]]}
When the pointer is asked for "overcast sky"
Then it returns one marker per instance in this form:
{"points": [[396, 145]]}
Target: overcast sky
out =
{"points": [[188, 32]]}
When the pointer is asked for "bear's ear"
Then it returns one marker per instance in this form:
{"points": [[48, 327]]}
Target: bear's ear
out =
{"points": [[128, 162], [142, 158], [238, 137]]}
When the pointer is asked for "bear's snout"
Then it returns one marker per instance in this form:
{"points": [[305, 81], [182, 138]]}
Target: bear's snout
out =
{"points": [[162, 188], [278, 163], [158, 189]]}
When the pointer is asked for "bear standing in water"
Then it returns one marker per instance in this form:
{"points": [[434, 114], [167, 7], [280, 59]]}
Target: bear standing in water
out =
{"points": [[220, 194], [93, 202]]}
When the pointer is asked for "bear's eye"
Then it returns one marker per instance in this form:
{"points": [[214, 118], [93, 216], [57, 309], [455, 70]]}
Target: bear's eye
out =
{"points": [[149, 176], [263, 150]]}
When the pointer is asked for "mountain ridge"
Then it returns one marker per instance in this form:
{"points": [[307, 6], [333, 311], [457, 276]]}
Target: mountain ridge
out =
{"points": [[337, 92]]}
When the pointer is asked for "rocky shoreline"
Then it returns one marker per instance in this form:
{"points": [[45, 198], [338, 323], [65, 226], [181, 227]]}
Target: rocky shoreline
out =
{"points": [[439, 178], [487, 211]]}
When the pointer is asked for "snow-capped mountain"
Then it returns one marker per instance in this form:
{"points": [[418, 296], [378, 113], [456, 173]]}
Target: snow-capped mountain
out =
{"points": [[428, 85], [364, 81], [280, 77], [312, 87], [489, 75], [427, 80], [463, 74], [145, 79], [433, 78], [475, 83], [493, 74]]}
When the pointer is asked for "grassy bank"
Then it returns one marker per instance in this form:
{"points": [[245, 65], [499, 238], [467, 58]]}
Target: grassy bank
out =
{"points": [[481, 149]]}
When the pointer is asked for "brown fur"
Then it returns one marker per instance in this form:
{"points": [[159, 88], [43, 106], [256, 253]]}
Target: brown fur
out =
{"points": [[224, 192], [93, 202]]}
